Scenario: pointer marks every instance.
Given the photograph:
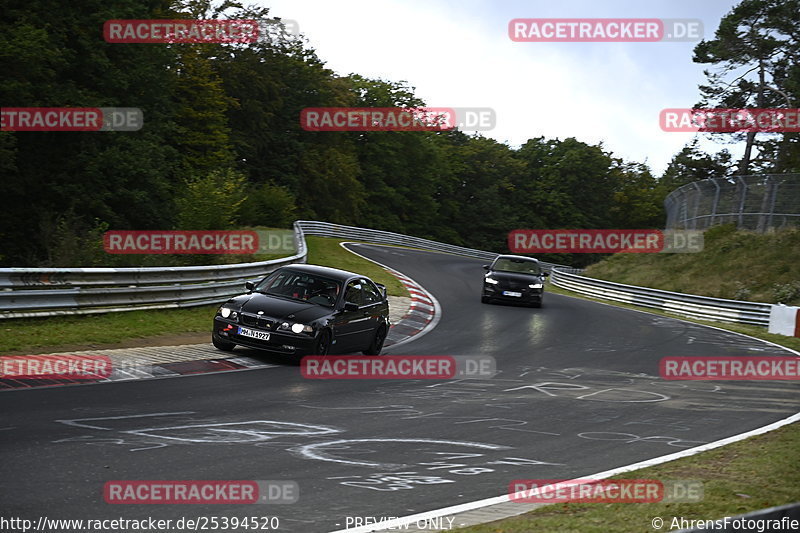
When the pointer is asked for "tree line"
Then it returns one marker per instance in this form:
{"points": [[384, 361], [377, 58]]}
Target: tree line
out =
{"points": [[222, 145]]}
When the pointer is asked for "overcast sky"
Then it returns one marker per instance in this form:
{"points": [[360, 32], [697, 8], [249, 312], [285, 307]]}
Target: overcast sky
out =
{"points": [[457, 53]]}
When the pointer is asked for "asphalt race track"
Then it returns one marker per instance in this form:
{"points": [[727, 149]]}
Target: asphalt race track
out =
{"points": [[578, 393]]}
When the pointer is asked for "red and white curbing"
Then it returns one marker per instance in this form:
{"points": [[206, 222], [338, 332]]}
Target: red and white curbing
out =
{"points": [[421, 315]]}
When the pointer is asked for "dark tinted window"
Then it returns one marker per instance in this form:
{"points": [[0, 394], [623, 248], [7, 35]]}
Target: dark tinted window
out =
{"points": [[371, 293], [353, 293], [301, 286], [507, 264]]}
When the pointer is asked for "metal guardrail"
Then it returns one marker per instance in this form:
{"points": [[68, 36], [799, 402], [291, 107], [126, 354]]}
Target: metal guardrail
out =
{"points": [[326, 229], [691, 305], [35, 292], [39, 292]]}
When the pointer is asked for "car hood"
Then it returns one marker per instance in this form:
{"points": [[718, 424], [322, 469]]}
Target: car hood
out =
{"points": [[514, 276], [278, 307]]}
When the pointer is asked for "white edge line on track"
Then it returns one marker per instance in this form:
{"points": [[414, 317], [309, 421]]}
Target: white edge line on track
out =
{"points": [[506, 498], [587, 299], [436, 307], [471, 506]]}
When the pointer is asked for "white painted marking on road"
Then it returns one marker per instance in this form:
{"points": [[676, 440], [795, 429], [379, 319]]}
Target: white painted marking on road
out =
{"points": [[74, 421], [505, 498], [222, 433], [660, 397], [401, 522], [312, 451]]}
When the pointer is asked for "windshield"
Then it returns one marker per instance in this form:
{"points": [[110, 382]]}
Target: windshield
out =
{"points": [[301, 286], [517, 265]]}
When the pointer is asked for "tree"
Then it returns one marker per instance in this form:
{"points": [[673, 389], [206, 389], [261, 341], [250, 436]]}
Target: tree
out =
{"points": [[756, 50], [211, 202], [691, 164]]}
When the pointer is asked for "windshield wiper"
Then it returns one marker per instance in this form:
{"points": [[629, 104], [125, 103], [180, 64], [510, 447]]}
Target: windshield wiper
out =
{"points": [[284, 296]]}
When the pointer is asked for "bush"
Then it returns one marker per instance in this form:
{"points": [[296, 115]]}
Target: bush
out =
{"points": [[268, 205], [786, 293], [211, 202]]}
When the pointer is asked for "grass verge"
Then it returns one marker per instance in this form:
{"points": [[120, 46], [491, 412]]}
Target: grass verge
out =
{"points": [[738, 265], [327, 252], [37, 335]]}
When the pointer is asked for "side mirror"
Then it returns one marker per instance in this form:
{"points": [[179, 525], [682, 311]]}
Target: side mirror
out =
{"points": [[545, 274], [382, 288], [249, 286], [486, 267], [350, 306]]}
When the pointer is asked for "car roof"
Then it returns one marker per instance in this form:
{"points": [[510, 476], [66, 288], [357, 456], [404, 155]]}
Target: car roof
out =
{"points": [[532, 259], [334, 273]]}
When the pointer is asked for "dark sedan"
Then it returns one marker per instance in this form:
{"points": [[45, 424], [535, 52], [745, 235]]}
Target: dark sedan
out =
{"points": [[515, 279], [306, 310]]}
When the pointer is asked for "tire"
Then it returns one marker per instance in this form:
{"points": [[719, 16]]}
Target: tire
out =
{"points": [[220, 344], [485, 300], [376, 345], [537, 304], [323, 345]]}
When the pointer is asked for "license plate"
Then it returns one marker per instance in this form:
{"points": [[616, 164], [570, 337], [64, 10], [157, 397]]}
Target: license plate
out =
{"points": [[260, 335], [512, 293]]}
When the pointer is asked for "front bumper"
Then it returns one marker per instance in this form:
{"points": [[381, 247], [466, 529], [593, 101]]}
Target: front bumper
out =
{"points": [[528, 295], [283, 342]]}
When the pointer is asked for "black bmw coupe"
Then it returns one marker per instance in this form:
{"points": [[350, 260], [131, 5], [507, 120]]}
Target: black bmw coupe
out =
{"points": [[306, 310]]}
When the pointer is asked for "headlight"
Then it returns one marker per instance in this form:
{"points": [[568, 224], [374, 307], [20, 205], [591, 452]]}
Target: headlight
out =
{"points": [[490, 280], [298, 328], [225, 311], [536, 285]]}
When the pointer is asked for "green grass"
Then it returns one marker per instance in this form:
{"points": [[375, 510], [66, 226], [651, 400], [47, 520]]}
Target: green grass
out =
{"points": [[737, 265], [752, 474], [327, 252], [32, 335]]}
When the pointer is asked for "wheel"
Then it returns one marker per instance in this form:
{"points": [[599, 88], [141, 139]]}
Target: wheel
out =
{"points": [[220, 344], [537, 304], [376, 345], [485, 300], [323, 345]]}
